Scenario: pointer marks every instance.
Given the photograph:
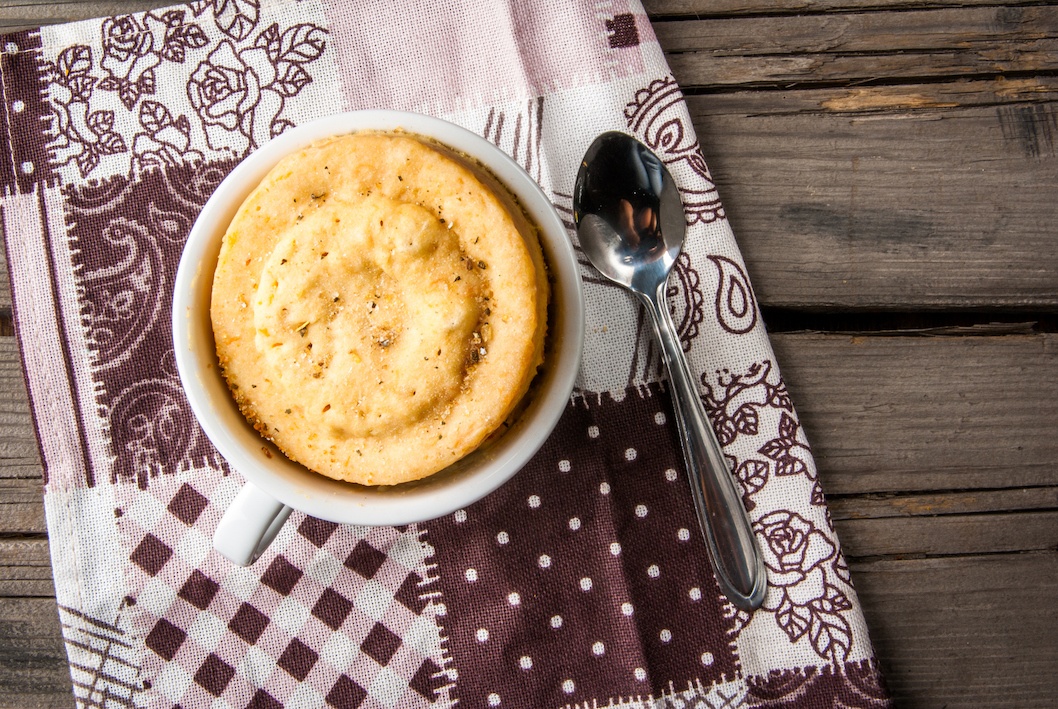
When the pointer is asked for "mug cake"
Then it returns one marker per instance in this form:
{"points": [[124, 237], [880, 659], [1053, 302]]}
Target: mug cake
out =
{"points": [[379, 307]]}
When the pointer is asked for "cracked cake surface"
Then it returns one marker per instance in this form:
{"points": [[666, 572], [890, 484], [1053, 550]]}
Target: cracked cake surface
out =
{"points": [[379, 307]]}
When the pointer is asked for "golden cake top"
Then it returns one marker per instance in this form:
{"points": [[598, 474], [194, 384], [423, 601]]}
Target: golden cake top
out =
{"points": [[379, 307]]}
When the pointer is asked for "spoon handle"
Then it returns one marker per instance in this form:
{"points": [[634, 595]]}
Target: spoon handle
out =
{"points": [[736, 559]]}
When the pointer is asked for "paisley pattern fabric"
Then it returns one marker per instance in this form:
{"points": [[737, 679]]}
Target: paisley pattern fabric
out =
{"points": [[583, 581]]}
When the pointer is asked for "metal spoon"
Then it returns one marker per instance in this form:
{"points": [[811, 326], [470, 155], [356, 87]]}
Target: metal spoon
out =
{"points": [[630, 222]]}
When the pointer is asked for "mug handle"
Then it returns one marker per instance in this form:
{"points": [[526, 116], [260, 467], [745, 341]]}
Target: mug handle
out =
{"points": [[249, 525]]}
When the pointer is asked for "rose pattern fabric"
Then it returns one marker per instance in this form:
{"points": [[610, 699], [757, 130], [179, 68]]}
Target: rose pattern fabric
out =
{"points": [[236, 88], [226, 91], [795, 553], [165, 142], [129, 56]]}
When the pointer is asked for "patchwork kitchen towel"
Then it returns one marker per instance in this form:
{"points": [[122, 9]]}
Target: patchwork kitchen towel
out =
{"points": [[583, 582]]}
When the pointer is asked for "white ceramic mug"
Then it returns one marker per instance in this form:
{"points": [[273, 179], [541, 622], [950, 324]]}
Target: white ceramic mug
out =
{"points": [[276, 485]]}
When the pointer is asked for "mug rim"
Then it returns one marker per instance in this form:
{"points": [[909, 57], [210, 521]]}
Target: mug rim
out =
{"points": [[259, 461]]}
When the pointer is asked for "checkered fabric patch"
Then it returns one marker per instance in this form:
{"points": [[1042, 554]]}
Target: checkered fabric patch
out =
{"points": [[331, 615]]}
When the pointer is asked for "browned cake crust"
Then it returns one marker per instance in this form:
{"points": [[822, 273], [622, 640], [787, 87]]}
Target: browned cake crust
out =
{"points": [[379, 307]]}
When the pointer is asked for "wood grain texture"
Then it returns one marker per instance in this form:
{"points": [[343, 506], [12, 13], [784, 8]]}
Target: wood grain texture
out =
{"points": [[862, 507], [973, 631], [866, 200], [26, 14], [949, 535], [25, 568], [846, 47], [19, 453], [899, 196], [898, 414], [20, 508], [33, 671], [662, 10]]}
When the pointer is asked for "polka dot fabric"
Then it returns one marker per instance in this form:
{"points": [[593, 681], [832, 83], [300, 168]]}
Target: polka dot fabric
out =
{"points": [[581, 578]]}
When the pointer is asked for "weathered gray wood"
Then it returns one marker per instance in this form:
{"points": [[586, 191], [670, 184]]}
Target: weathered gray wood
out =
{"points": [[896, 197], [661, 11], [33, 670], [949, 535], [898, 209], [943, 503], [21, 510], [31, 13], [812, 49], [19, 454], [975, 631], [27, 14], [865, 102], [25, 568], [891, 414]]}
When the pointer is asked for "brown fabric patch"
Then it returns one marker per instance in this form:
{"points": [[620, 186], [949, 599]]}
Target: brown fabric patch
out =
{"points": [[248, 623], [346, 694], [214, 674], [198, 590], [263, 700], [281, 576], [298, 659], [424, 682], [381, 644], [584, 568], [410, 595], [316, 531], [127, 236], [165, 639], [151, 554], [332, 608], [623, 32], [365, 560], [187, 504], [28, 162]]}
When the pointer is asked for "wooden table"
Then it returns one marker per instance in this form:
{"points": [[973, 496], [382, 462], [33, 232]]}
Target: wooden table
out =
{"points": [[890, 168]]}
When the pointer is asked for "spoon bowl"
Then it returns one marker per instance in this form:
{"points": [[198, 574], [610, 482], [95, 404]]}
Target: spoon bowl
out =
{"points": [[631, 220], [631, 225]]}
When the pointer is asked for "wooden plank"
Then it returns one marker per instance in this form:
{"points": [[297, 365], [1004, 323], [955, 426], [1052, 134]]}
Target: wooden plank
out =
{"points": [[33, 669], [21, 509], [949, 535], [681, 10], [895, 197], [848, 47], [28, 14], [19, 454], [947, 503], [32, 13], [891, 414], [25, 568], [973, 631], [939, 207]]}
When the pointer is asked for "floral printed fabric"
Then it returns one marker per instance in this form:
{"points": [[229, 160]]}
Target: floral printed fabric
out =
{"points": [[582, 582]]}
